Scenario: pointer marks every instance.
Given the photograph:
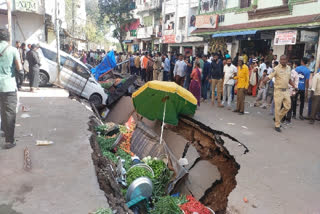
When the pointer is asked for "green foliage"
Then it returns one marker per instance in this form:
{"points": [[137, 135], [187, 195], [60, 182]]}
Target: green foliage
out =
{"points": [[158, 167], [111, 156], [125, 156], [116, 13], [137, 172], [103, 211], [95, 28], [166, 204], [106, 143]]}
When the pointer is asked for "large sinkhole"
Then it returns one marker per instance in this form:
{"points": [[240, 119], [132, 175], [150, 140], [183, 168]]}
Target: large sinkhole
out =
{"points": [[202, 165]]}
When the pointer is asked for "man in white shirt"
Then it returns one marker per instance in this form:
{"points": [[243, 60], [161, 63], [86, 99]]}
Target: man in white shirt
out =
{"points": [[262, 67], [269, 69], [315, 96], [179, 71], [312, 64], [229, 72]]}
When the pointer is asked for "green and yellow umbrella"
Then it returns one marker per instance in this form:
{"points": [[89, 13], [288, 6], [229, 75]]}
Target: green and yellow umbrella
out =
{"points": [[165, 101]]}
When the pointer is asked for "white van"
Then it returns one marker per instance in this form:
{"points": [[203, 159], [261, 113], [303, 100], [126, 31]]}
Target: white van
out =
{"points": [[75, 76]]}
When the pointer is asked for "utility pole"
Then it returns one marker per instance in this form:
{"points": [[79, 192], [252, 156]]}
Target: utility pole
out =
{"points": [[9, 21], [57, 24], [73, 18], [318, 56]]}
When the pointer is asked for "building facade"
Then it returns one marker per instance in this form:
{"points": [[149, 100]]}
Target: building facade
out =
{"points": [[288, 27], [178, 23], [32, 20], [164, 26]]}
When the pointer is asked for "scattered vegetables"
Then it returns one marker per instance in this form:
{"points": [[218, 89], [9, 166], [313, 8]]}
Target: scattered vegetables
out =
{"points": [[158, 167], [137, 172], [167, 205], [123, 129], [106, 143], [103, 211], [110, 155], [125, 156], [193, 206]]}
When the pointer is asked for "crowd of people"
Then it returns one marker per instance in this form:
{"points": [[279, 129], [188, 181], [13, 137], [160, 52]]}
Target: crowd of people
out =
{"points": [[273, 81]]}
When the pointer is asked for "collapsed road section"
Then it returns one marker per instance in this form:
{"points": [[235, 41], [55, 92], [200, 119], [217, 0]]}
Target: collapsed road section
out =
{"points": [[192, 155]]}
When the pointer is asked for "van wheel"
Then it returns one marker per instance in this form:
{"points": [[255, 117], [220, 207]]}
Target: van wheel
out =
{"points": [[95, 99], [43, 79]]}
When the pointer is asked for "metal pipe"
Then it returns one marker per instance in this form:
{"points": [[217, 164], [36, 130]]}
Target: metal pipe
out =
{"points": [[57, 38]]}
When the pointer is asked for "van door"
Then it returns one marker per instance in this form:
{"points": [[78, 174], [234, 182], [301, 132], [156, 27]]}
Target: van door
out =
{"points": [[73, 76]]}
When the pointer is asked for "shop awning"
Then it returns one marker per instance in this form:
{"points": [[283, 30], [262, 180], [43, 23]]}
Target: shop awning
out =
{"points": [[236, 33]]}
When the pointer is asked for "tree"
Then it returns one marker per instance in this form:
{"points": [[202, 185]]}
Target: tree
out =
{"points": [[95, 28], [116, 13]]}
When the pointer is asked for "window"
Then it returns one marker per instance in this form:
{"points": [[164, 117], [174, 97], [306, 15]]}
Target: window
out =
{"points": [[221, 19], [49, 54], [212, 5], [82, 71], [76, 68], [62, 60], [245, 3], [182, 23]]}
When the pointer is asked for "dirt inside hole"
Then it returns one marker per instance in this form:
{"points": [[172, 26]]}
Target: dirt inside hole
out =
{"points": [[210, 147]]}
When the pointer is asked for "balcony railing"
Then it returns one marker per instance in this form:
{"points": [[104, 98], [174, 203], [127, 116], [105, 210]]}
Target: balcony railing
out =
{"points": [[149, 5], [145, 32]]}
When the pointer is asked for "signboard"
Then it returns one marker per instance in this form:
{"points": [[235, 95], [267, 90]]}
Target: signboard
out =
{"points": [[179, 38], [207, 21], [169, 39], [27, 5], [309, 36], [285, 37]]}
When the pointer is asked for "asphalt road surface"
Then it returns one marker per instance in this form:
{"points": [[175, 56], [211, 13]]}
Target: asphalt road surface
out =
{"points": [[281, 173]]}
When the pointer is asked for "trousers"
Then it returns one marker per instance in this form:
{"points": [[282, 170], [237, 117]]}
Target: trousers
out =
{"points": [[216, 83], [240, 99], [8, 105], [315, 106], [227, 94], [301, 94], [281, 98], [289, 114]]}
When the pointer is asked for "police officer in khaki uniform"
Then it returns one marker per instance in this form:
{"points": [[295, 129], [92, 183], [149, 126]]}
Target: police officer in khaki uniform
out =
{"points": [[282, 75]]}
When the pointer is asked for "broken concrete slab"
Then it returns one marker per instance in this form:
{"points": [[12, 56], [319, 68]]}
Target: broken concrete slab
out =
{"points": [[175, 142], [192, 155], [201, 177], [121, 111]]}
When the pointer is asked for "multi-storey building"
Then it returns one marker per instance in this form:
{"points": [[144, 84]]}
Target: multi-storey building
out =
{"points": [[178, 22], [144, 33], [288, 27]]}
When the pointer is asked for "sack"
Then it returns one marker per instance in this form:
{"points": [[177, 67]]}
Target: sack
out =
{"points": [[253, 79]]}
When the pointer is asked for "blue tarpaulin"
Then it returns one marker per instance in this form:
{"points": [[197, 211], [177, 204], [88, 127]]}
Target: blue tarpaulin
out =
{"points": [[236, 33], [108, 62]]}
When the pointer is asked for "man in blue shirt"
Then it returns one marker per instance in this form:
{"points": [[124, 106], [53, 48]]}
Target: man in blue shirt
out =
{"points": [[205, 77], [132, 66], [173, 60], [166, 67], [304, 75]]}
